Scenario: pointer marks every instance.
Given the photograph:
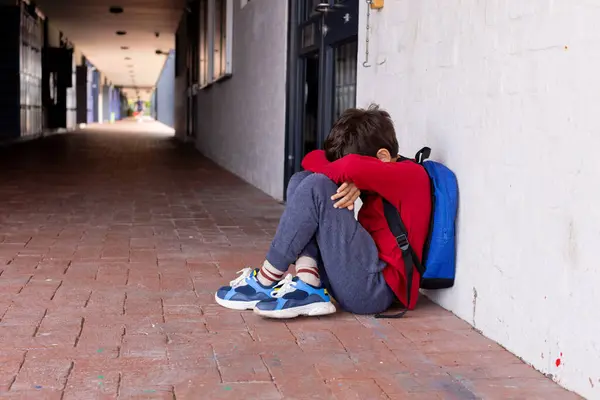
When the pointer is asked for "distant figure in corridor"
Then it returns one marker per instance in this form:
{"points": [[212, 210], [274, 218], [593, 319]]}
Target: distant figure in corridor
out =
{"points": [[358, 263]]}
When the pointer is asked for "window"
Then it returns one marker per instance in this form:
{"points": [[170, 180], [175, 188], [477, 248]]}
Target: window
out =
{"points": [[222, 32], [215, 40], [219, 38], [203, 44]]}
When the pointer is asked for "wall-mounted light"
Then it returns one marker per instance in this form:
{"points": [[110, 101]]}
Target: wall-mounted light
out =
{"points": [[124, 47], [322, 7], [376, 4]]}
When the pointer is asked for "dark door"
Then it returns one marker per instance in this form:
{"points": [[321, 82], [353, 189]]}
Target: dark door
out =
{"points": [[322, 64], [81, 93], [193, 68], [190, 109], [96, 96]]}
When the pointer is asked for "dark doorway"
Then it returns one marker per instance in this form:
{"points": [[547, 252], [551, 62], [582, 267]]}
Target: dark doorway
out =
{"points": [[193, 68], [322, 63], [311, 103]]}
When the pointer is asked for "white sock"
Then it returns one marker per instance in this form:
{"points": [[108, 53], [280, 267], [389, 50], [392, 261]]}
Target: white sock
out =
{"points": [[268, 275], [307, 271]]}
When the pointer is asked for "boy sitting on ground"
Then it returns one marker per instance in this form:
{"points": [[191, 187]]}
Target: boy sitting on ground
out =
{"points": [[358, 262]]}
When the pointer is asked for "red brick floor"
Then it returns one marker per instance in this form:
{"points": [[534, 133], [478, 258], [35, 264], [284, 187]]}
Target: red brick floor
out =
{"points": [[111, 247]]}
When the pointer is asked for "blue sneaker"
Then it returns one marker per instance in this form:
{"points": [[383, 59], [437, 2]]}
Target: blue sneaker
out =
{"points": [[244, 292], [292, 298]]}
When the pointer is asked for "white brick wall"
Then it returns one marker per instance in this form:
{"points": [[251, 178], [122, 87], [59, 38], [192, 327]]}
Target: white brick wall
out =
{"points": [[242, 120], [507, 93]]}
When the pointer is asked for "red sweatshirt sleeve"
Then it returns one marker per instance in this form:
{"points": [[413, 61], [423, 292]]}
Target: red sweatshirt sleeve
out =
{"points": [[315, 161], [367, 173]]}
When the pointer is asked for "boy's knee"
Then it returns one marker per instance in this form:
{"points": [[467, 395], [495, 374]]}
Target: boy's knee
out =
{"points": [[295, 181], [321, 184]]}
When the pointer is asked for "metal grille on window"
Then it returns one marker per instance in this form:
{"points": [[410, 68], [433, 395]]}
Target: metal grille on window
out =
{"points": [[220, 37], [345, 78], [72, 99], [203, 43], [31, 73]]}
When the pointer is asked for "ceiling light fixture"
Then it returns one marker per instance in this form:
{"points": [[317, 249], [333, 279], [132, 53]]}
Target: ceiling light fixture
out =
{"points": [[121, 33], [116, 10]]}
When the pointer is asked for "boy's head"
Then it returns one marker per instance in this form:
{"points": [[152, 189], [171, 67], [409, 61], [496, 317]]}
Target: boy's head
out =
{"points": [[367, 132]]}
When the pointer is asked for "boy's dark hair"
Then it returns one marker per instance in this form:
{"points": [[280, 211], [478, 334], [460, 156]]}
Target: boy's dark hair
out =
{"points": [[361, 131]]}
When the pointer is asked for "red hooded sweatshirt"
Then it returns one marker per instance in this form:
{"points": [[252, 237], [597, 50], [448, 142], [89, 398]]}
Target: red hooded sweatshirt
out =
{"points": [[405, 185]]}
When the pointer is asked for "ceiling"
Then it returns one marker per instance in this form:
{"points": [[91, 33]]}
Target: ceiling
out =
{"points": [[134, 93], [92, 28]]}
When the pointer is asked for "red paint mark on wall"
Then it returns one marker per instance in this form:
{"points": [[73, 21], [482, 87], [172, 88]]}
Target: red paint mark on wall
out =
{"points": [[558, 362]]}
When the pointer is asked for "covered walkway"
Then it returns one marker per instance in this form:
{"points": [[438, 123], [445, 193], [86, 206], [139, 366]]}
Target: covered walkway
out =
{"points": [[112, 242]]}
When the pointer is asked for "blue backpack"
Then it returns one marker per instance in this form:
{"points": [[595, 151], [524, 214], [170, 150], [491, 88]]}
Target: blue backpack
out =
{"points": [[439, 254]]}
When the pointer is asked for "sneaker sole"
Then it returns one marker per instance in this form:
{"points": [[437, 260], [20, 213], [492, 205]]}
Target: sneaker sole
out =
{"points": [[236, 305], [309, 310]]}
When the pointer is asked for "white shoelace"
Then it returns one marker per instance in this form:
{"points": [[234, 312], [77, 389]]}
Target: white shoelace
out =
{"points": [[287, 285], [240, 280], [246, 272]]}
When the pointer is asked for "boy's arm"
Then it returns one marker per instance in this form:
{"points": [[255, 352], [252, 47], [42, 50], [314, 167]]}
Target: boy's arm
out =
{"points": [[370, 174], [315, 161]]}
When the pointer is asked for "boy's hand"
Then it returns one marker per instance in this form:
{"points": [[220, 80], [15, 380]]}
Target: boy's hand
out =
{"points": [[346, 195]]}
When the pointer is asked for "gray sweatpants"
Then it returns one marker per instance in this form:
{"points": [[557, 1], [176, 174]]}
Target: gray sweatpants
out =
{"points": [[345, 252]]}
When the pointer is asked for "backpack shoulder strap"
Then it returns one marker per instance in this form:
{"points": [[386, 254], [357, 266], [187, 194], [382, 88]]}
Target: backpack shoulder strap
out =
{"points": [[411, 261], [422, 155]]}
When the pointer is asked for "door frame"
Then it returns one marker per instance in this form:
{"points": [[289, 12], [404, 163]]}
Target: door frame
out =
{"points": [[294, 91], [295, 88]]}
